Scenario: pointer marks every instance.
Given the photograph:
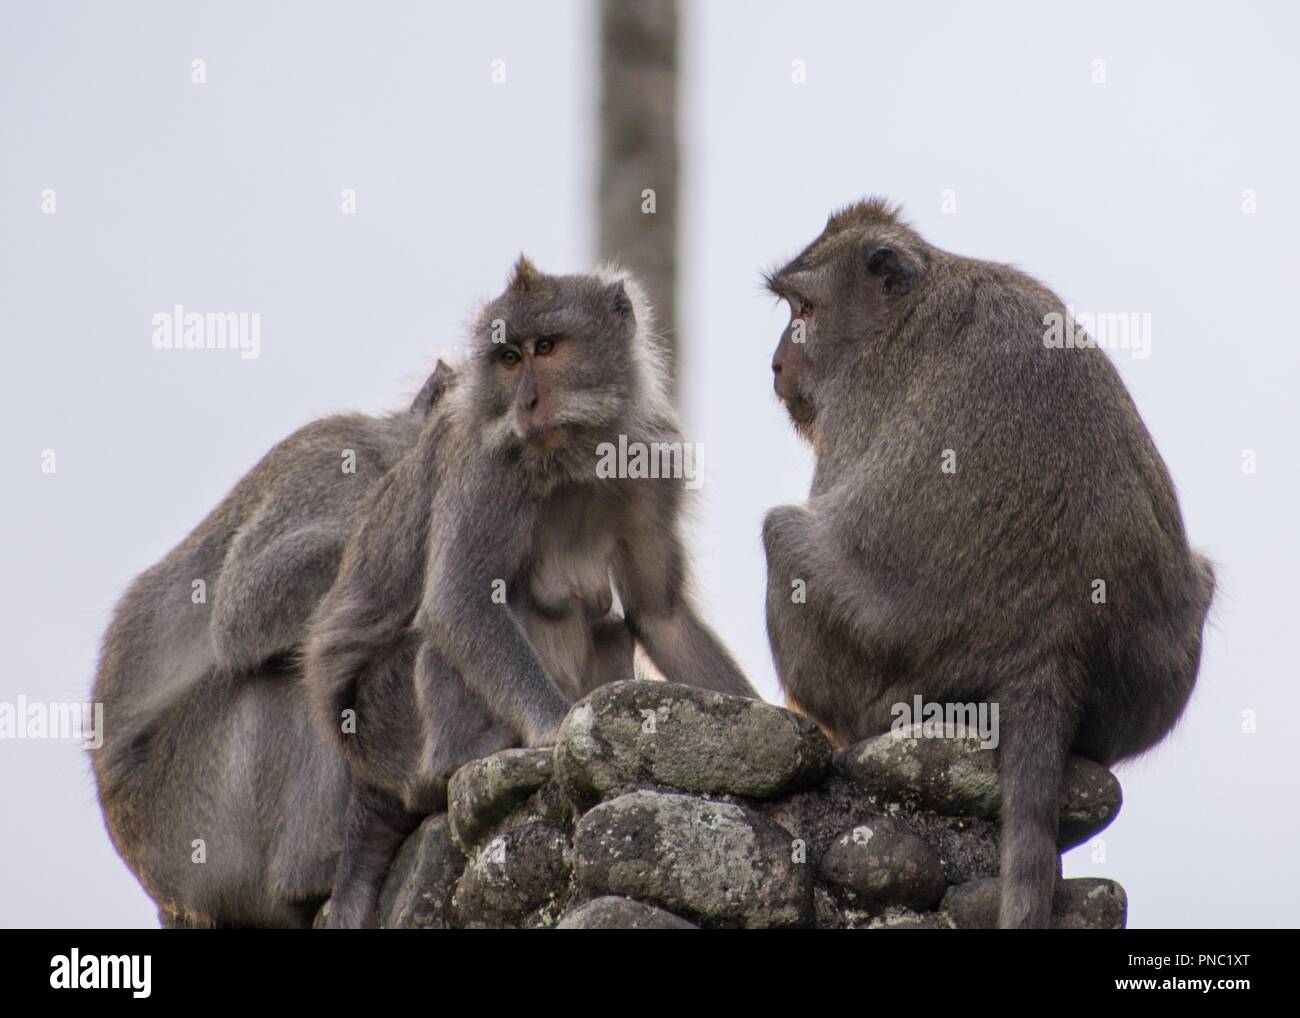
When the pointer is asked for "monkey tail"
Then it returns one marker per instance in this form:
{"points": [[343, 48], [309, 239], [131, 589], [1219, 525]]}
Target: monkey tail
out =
{"points": [[331, 691], [1034, 742], [339, 649]]}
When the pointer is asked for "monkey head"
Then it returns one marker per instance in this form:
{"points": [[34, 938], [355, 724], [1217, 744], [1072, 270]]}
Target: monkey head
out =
{"points": [[842, 290], [555, 361]]}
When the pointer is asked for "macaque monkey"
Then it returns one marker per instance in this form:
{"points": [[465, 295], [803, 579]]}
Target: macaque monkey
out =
{"points": [[989, 520], [216, 791], [476, 600]]}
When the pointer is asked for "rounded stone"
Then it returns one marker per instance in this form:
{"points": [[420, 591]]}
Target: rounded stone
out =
{"points": [[1080, 903], [955, 775], [884, 864], [717, 863], [513, 874], [420, 883], [642, 733], [968, 846], [483, 792]]}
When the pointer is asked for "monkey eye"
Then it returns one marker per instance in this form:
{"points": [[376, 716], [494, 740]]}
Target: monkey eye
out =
{"points": [[510, 357], [545, 345], [803, 308]]}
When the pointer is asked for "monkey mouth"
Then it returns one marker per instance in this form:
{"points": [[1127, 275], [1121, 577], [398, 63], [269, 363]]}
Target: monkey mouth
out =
{"points": [[546, 439]]}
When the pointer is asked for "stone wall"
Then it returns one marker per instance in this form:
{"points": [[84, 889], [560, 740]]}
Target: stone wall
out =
{"points": [[668, 807]]}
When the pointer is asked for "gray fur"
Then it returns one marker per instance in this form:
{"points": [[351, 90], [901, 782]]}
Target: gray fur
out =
{"points": [[975, 585], [206, 730], [493, 498]]}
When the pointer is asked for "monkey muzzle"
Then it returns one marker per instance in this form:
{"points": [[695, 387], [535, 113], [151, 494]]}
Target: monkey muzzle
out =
{"points": [[544, 438]]}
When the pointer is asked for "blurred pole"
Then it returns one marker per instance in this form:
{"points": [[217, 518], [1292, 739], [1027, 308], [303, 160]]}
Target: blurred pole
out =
{"points": [[638, 149]]}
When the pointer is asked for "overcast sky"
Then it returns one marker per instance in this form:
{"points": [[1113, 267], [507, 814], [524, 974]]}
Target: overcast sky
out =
{"points": [[1123, 194]]}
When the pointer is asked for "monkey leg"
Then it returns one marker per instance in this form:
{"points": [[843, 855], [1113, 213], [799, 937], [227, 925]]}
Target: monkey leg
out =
{"points": [[812, 663], [416, 723], [612, 650], [791, 631], [458, 727], [830, 631], [413, 765], [795, 629], [375, 826], [237, 807]]}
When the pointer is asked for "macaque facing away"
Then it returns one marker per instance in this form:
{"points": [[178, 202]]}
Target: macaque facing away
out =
{"points": [[989, 520]]}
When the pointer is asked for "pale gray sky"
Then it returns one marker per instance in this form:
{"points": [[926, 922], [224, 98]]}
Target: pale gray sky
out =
{"points": [[1125, 195]]}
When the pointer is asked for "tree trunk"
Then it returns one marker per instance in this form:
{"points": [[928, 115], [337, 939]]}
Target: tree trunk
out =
{"points": [[638, 149]]}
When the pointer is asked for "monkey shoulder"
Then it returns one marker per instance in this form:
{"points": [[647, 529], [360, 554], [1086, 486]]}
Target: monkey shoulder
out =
{"points": [[377, 442], [395, 518], [293, 512]]}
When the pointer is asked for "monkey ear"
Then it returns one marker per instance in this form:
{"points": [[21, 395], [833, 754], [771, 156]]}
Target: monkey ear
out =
{"points": [[435, 385], [619, 302], [442, 378], [523, 276], [899, 272]]}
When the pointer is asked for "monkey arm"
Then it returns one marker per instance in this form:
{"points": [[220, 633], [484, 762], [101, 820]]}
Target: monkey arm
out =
{"points": [[792, 629], [486, 644], [465, 616], [270, 581], [650, 575], [813, 578], [370, 606]]}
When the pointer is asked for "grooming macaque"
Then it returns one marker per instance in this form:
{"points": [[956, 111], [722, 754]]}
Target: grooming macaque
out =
{"points": [[989, 520], [216, 790], [475, 601]]}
